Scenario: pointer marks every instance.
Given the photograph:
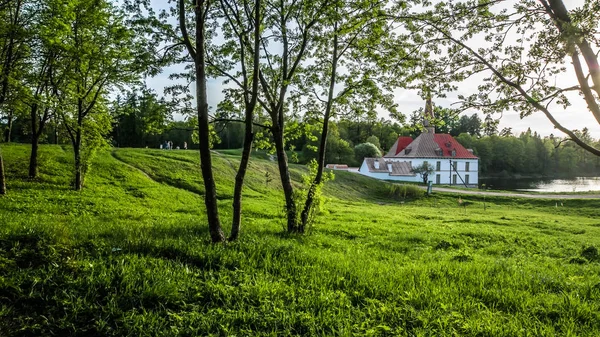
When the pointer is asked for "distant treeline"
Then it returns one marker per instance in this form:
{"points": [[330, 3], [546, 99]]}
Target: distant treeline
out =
{"points": [[144, 120]]}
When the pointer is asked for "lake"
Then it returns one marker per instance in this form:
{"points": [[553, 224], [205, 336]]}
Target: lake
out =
{"points": [[579, 184]]}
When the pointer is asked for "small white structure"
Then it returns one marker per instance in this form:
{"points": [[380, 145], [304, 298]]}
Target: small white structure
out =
{"points": [[453, 164]]}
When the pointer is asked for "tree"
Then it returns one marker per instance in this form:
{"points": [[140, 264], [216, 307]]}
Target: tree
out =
{"points": [[446, 120], [424, 170], [243, 21], [140, 118], [527, 48], [468, 124], [374, 140], [291, 27], [365, 150], [490, 126], [43, 69], [11, 52], [348, 70], [197, 52], [99, 53]]}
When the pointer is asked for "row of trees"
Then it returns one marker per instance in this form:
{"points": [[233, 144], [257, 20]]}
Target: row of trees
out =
{"points": [[290, 69]]}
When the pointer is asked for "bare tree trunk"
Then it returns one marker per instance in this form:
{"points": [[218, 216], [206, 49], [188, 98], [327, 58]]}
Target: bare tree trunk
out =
{"points": [[210, 195]]}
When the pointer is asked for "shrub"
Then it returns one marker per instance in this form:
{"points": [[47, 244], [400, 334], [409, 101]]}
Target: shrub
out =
{"points": [[365, 150]]}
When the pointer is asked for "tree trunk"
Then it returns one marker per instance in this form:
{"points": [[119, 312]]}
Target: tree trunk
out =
{"points": [[33, 159], [33, 165], [78, 164], [210, 195], [239, 182], [2, 176], [284, 173], [310, 198], [249, 132]]}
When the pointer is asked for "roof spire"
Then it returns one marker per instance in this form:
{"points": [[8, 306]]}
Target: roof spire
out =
{"points": [[428, 115]]}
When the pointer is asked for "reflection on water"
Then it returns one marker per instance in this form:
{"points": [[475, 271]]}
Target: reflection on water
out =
{"points": [[579, 184]]}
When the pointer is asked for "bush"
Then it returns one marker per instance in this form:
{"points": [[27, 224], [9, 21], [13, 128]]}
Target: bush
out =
{"points": [[366, 150]]}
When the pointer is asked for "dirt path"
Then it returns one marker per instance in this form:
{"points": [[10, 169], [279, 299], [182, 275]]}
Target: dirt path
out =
{"points": [[517, 195], [112, 153]]}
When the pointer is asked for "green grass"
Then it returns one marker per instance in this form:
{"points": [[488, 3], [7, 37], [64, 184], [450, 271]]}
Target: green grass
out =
{"points": [[129, 256]]}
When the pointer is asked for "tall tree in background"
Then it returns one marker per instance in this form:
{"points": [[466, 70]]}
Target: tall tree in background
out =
{"points": [[523, 51]]}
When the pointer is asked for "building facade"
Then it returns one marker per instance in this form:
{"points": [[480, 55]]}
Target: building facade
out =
{"points": [[452, 163]]}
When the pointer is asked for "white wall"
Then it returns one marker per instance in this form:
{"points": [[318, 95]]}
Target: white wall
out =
{"points": [[446, 174]]}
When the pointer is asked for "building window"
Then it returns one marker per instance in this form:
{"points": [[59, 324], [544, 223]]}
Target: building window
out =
{"points": [[467, 167], [466, 179], [455, 166], [438, 179], [454, 179], [438, 166], [425, 163], [453, 153]]}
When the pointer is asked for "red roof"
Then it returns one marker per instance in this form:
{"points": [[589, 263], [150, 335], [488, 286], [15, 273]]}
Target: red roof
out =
{"points": [[402, 143], [428, 145], [446, 143]]}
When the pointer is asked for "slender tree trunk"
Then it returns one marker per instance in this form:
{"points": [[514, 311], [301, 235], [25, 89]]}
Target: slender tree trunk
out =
{"points": [[210, 195], [2, 176], [249, 132], [78, 164], [286, 182], [33, 159], [239, 183], [33, 165], [310, 198]]}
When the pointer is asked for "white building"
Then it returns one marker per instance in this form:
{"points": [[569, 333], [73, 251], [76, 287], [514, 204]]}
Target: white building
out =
{"points": [[453, 164]]}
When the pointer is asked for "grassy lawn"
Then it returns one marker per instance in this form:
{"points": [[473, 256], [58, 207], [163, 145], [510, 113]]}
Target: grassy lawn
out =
{"points": [[130, 256]]}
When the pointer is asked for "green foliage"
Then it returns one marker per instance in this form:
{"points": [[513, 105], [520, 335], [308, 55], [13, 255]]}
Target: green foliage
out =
{"points": [[374, 140], [424, 170], [130, 256], [95, 130], [318, 199], [364, 150]]}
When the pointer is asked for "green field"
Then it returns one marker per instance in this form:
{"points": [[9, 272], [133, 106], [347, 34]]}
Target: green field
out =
{"points": [[130, 256]]}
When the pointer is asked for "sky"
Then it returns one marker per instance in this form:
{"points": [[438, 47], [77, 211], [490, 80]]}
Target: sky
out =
{"points": [[576, 116]]}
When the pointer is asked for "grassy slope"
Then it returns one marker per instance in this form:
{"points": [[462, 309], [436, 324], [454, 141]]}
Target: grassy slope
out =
{"points": [[129, 256]]}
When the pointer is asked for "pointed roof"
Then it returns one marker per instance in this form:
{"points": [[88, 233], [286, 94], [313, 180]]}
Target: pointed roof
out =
{"points": [[431, 145], [393, 168], [399, 145]]}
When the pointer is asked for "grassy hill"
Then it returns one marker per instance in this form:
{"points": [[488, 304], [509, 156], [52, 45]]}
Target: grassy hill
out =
{"points": [[129, 256]]}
